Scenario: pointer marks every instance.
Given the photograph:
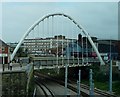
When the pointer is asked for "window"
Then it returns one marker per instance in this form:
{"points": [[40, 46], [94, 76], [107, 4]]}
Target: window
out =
{"points": [[3, 49]]}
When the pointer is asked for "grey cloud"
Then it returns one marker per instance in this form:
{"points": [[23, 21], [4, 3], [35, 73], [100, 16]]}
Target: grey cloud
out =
{"points": [[96, 18]]}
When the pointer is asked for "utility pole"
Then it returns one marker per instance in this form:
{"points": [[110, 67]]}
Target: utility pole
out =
{"points": [[66, 78], [78, 84], [110, 69]]}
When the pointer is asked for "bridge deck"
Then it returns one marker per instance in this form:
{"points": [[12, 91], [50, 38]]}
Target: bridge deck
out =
{"points": [[52, 61]]}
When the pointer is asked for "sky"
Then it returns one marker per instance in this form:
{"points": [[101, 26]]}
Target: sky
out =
{"points": [[99, 19]]}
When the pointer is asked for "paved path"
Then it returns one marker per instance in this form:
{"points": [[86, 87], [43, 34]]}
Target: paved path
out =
{"points": [[16, 66]]}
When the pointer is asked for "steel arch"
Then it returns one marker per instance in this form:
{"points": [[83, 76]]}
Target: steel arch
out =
{"points": [[57, 14]]}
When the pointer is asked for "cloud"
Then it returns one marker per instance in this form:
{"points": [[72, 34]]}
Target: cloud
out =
{"points": [[99, 19], [59, 1]]}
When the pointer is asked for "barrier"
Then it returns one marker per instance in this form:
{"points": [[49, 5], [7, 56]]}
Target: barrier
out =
{"points": [[14, 84], [29, 71], [17, 83]]}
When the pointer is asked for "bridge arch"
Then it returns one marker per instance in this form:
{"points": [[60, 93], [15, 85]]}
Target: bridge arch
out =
{"points": [[52, 15]]}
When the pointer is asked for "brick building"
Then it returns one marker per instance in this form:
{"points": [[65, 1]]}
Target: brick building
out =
{"points": [[104, 48], [4, 52]]}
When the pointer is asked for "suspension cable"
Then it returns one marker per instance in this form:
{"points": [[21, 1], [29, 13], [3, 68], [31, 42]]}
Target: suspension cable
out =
{"points": [[73, 45], [62, 43], [78, 52], [82, 51], [86, 50]]}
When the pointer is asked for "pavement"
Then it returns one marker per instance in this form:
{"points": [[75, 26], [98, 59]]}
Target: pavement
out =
{"points": [[15, 67]]}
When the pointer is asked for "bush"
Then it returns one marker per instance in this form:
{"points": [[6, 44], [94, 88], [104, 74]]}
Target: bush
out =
{"points": [[116, 87], [101, 77]]}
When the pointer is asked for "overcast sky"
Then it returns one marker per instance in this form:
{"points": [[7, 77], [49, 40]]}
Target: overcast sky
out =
{"points": [[100, 19]]}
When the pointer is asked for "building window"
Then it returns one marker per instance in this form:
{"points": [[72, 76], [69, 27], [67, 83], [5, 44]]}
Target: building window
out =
{"points": [[3, 49]]}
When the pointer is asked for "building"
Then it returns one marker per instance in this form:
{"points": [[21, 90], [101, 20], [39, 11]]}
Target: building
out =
{"points": [[21, 51], [107, 47], [12, 46], [4, 52], [72, 49], [84, 43], [81, 46], [47, 46]]}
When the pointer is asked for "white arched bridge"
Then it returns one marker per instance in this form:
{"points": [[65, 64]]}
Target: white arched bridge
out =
{"points": [[53, 37]]}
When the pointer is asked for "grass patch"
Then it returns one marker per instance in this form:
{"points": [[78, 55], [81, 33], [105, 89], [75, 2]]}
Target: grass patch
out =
{"points": [[105, 86], [85, 82], [101, 85], [116, 87]]}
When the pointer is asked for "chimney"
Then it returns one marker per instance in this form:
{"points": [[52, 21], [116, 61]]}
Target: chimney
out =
{"points": [[79, 37]]}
